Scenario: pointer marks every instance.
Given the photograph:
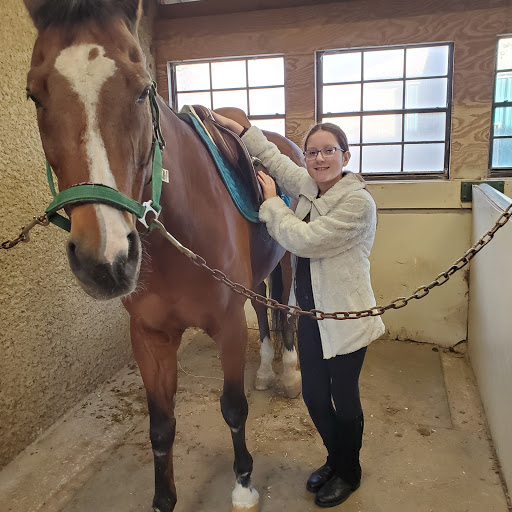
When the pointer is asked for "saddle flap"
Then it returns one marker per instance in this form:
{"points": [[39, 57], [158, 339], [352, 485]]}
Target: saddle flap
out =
{"points": [[234, 150]]}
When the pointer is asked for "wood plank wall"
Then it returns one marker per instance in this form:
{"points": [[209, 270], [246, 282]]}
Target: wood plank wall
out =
{"points": [[299, 32]]}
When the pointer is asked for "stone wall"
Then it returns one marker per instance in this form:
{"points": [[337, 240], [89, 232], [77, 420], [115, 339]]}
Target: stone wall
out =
{"points": [[56, 343]]}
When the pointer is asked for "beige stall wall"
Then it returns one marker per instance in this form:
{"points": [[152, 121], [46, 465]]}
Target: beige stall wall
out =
{"points": [[423, 227], [490, 322], [56, 343]]}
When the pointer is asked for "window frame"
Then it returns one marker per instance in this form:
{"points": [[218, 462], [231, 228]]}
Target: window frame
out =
{"points": [[498, 172], [173, 92], [402, 175]]}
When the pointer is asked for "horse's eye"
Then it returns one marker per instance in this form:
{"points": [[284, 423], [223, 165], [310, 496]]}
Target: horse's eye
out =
{"points": [[144, 95], [30, 96]]}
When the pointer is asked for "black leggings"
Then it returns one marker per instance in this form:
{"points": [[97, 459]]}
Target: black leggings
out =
{"points": [[330, 387]]}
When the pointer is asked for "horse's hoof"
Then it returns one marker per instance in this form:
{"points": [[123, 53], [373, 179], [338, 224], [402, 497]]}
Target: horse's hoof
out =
{"points": [[293, 385], [253, 508], [263, 383], [245, 499]]}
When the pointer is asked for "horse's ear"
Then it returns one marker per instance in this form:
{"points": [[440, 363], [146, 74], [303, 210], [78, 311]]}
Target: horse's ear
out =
{"points": [[133, 12], [32, 6]]}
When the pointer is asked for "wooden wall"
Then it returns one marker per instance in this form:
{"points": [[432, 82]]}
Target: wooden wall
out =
{"points": [[423, 225], [298, 32]]}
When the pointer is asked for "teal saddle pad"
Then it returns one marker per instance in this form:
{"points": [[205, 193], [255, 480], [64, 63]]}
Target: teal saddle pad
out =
{"points": [[237, 189]]}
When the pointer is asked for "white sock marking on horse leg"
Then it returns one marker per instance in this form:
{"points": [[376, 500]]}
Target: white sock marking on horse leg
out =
{"points": [[87, 69], [244, 497], [265, 375], [291, 377]]}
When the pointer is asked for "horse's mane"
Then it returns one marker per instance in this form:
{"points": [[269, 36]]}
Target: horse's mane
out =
{"points": [[69, 12]]}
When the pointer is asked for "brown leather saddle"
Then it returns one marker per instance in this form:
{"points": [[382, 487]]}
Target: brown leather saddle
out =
{"points": [[235, 152]]}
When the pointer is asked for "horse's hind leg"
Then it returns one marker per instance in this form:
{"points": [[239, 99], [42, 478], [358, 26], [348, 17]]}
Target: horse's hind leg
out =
{"points": [[232, 341], [156, 356], [291, 376], [265, 375]]}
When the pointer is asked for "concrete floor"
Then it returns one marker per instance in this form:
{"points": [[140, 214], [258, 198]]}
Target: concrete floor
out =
{"points": [[425, 445]]}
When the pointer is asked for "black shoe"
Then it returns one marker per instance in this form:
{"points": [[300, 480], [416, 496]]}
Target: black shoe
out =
{"points": [[319, 477], [334, 492]]}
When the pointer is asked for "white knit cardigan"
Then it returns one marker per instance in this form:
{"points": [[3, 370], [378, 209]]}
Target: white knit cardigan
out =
{"points": [[337, 240]]}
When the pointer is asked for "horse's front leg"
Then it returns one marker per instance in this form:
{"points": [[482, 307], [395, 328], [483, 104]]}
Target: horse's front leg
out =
{"points": [[156, 356], [265, 375], [232, 341]]}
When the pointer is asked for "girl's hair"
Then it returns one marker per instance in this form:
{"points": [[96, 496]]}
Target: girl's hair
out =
{"points": [[332, 128]]}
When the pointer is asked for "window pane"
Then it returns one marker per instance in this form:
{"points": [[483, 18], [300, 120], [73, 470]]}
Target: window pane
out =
{"points": [[423, 157], [350, 125], [266, 101], [379, 65], [382, 96], [192, 77], [382, 158], [503, 121], [194, 98], [341, 98], [502, 153], [266, 72], [230, 99], [505, 53], [272, 125], [420, 127], [229, 75], [426, 93], [341, 67], [431, 61], [355, 157], [503, 90], [382, 128]]}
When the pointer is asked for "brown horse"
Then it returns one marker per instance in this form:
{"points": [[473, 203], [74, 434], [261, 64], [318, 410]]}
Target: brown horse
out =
{"points": [[280, 283], [94, 108]]}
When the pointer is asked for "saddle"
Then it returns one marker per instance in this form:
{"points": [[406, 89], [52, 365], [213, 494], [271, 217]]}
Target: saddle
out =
{"points": [[234, 151]]}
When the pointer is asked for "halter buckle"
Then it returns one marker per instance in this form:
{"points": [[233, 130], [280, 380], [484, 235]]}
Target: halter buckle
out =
{"points": [[148, 207]]}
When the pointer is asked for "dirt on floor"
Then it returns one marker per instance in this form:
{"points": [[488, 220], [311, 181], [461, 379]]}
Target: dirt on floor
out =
{"points": [[425, 446]]}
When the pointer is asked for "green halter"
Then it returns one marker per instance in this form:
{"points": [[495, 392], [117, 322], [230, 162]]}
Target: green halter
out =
{"points": [[98, 193]]}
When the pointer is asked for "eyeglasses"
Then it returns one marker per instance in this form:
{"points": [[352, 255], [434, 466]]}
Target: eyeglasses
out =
{"points": [[326, 153]]}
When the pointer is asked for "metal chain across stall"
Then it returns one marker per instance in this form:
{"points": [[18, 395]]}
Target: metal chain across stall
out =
{"points": [[397, 303]]}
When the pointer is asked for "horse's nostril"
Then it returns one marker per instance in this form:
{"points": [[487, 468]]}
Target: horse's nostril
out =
{"points": [[132, 238], [133, 244], [71, 248]]}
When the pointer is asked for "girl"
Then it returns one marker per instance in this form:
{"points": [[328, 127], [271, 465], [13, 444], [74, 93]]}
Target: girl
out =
{"points": [[330, 235]]}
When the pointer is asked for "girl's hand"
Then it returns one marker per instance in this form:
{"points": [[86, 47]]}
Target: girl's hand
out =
{"points": [[268, 185], [228, 123]]}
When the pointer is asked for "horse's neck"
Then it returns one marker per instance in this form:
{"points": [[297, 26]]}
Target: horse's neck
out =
{"points": [[184, 152], [193, 177]]}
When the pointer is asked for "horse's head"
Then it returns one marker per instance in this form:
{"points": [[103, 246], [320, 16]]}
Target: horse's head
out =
{"points": [[89, 83]]}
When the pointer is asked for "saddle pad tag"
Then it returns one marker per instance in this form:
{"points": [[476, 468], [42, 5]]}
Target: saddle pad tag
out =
{"points": [[165, 175]]}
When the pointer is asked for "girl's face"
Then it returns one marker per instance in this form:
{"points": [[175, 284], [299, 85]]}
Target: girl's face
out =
{"points": [[325, 170]]}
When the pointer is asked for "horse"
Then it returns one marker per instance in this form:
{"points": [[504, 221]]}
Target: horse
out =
{"points": [[280, 282], [103, 128]]}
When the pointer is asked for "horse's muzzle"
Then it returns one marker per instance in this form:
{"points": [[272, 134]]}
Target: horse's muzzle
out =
{"points": [[105, 280]]}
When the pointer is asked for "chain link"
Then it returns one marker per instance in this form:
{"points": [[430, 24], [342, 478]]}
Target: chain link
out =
{"points": [[398, 303], [24, 236]]}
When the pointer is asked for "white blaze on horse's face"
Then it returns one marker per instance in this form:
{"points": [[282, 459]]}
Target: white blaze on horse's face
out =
{"points": [[86, 68]]}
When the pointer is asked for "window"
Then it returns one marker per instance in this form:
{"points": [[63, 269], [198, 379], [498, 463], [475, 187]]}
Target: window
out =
{"points": [[501, 129], [255, 85], [393, 103]]}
